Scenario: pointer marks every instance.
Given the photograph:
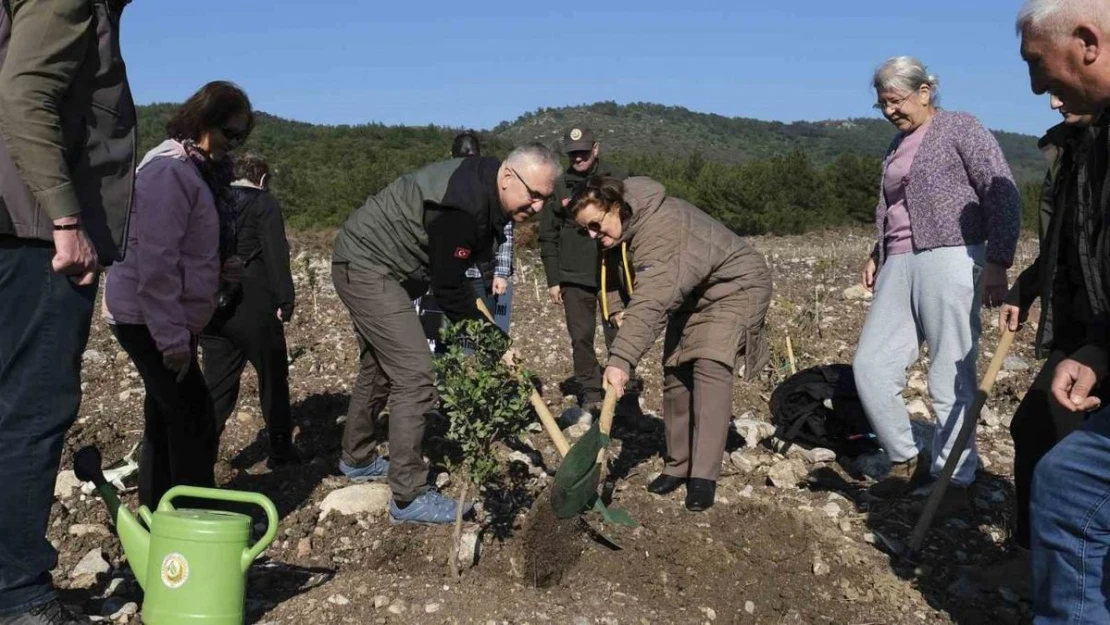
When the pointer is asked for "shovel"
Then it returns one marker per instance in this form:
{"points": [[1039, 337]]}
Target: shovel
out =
{"points": [[908, 552], [578, 475]]}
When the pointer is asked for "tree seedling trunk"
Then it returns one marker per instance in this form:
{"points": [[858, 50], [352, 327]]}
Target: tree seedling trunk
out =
{"points": [[456, 544]]}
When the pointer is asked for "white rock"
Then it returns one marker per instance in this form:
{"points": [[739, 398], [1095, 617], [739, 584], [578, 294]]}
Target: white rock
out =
{"points": [[918, 408], [432, 608], [1015, 363], [989, 418], [84, 529], [443, 480], [65, 484], [397, 607], [128, 610], [339, 600], [92, 564], [857, 292], [355, 499], [749, 607], [575, 432], [820, 454], [743, 462], [820, 568], [93, 357], [380, 601], [753, 431], [786, 473], [917, 382], [832, 509], [469, 547], [709, 613]]}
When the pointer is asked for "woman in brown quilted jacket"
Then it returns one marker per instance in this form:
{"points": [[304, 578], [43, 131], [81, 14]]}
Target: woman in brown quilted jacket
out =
{"points": [[680, 268]]}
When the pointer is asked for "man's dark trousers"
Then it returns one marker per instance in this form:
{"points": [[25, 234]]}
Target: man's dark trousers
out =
{"points": [[581, 304], [44, 327], [395, 365]]}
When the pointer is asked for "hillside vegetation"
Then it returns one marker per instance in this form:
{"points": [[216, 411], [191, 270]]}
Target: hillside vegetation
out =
{"points": [[758, 177]]}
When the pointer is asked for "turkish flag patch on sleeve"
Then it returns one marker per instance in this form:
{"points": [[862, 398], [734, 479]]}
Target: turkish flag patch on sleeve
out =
{"points": [[462, 253]]}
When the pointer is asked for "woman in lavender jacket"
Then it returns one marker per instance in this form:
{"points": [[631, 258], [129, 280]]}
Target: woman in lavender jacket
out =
{"points": [[948, 220], [164, 292]]}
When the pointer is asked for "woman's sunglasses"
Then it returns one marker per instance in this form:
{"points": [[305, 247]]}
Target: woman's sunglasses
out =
{"points": [[234, 136]]}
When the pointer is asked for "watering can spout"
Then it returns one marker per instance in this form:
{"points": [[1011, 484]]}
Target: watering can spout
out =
{"points": [[134, 537]]}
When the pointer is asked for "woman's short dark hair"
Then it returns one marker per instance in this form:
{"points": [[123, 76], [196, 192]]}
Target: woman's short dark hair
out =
{"points": [[466, 144], [250, 166], [606, 192], [208, 109]]}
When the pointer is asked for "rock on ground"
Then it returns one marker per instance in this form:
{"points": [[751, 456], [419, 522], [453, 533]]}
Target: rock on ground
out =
{"points": [[92, 564], [65, 484], [355, 499], [786, 473], [753, 431]]}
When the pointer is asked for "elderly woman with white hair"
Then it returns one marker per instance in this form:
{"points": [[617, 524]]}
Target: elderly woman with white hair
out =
{"points": [[948, 219]]}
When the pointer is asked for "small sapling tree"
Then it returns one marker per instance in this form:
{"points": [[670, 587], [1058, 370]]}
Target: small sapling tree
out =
{"points": [[485, 400]]}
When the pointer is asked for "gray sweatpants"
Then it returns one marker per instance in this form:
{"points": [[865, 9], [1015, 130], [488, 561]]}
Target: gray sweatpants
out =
{"points": [[931, 296]]}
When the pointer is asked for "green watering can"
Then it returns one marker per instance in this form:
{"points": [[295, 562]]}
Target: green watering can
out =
{"points": [[192, 564]]}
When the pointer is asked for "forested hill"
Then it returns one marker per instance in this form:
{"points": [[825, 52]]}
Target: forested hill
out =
{"points": [[641, 128], [758, 177]]}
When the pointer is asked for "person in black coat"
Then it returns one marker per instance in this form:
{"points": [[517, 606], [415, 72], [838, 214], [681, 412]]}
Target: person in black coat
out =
{"points": [[249, 322]]}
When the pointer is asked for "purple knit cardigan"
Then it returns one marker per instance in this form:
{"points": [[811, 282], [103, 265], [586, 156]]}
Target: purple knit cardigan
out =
{"points": [[959, 191]]}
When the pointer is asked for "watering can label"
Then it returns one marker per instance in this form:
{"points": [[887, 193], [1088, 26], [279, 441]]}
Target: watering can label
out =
{"points": [[175, 570]]}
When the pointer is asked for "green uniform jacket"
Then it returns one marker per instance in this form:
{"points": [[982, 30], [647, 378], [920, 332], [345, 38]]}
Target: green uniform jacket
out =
{"points": [[67, 122], [570, 255]]}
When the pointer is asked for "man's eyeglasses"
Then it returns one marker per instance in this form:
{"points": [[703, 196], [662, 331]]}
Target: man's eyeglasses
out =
{"points": [[534, 195]]}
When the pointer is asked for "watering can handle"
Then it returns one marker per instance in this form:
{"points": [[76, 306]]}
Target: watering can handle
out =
{"points": [[217, 494]]}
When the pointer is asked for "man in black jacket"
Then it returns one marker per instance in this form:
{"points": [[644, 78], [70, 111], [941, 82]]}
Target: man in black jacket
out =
{"points": [[249, 323], [570, 261], [1067, 48], [1060, 280], [425, 228]]}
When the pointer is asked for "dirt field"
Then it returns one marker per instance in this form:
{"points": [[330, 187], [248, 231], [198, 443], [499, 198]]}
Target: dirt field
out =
{"points": [[763, 554]]}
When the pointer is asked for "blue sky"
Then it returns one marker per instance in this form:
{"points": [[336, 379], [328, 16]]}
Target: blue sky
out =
{"points": [[478, 63]]}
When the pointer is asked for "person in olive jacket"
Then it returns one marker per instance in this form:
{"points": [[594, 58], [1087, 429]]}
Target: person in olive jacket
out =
{"points": [[249, 323], [570, 261], [709, 288]]}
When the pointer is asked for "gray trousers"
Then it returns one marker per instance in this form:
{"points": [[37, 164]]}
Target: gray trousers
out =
{"points": [[395, 365], [697, 408], [931, 296]]}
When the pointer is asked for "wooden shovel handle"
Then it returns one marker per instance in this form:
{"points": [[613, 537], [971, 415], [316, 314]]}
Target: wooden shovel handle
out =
{"points": [[963, 437], [608, 408], [548, 421]]}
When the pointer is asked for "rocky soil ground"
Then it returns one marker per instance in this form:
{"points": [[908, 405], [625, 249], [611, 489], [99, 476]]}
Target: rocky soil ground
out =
{"points": [[779, 546]]}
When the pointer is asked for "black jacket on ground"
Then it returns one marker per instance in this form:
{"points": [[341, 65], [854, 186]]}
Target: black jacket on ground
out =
{"points": [[261, 240]]}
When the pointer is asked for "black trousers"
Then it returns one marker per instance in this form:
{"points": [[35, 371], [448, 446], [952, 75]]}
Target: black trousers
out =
{"points": [[581, 306], [179, 438], [251, 334], [1038, 424]]}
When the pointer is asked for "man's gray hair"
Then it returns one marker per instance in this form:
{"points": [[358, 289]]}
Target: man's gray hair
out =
{"points": [[534, 155], [1057, 18], [906, 74]]}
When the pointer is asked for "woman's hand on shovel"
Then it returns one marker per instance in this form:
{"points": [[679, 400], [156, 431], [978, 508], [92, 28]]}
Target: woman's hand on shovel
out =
{"points": [[616, 378]]}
